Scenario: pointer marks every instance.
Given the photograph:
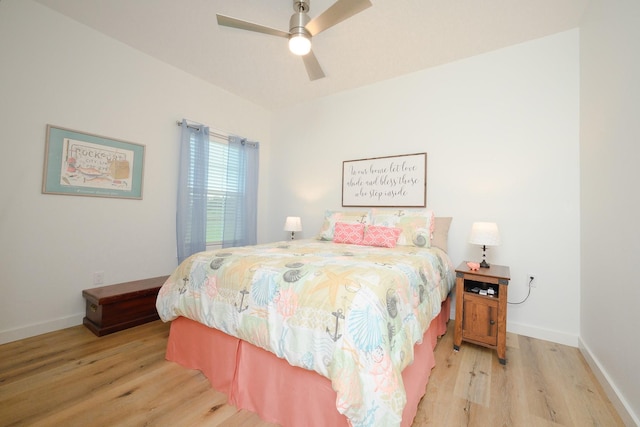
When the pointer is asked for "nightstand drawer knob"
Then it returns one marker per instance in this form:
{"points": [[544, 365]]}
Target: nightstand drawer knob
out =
{"points": [[492, 322]]}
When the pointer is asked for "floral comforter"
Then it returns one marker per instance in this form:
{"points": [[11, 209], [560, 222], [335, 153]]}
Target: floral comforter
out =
{"points": [[351, 313]]}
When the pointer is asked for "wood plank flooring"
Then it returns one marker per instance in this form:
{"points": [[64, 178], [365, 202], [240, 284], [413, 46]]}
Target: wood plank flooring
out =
{"points": [[73, 378]]}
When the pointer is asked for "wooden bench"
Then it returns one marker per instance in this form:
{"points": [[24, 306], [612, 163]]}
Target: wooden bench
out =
{"points": [[116, 307]]}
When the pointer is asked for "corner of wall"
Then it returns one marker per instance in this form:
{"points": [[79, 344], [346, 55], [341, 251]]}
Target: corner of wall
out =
{"points": [[624, 410]]}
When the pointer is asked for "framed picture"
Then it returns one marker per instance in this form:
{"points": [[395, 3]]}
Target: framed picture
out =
{"points": [[394, 181], [82, 164]]}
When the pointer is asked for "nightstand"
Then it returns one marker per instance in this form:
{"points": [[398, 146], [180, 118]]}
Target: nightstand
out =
{"points": [[481, 307]]}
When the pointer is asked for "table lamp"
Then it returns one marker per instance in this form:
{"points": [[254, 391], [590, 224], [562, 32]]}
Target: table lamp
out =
{"points": [[293, 224], [484, 234]]}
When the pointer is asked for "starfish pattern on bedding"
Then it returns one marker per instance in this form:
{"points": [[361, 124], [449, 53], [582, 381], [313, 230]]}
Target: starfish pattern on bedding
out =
{"points": [[239, 271], [333, 283]]}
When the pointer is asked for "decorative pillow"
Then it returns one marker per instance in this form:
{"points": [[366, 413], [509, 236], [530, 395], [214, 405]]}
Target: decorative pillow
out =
{"points": [[348, 233], [350, 217], [377, 235], [416, 224], [440, 237]]}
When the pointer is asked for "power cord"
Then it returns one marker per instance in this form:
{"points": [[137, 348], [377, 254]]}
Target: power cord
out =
{"points": [[528, 293]]}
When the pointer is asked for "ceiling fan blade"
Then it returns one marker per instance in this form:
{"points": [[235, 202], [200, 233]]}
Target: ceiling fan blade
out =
{"points": [[228, 21], [313, 66], [338, 12]]}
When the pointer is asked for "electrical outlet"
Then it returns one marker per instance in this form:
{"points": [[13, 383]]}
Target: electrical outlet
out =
{"points": [[532, 280], [98, 277]]}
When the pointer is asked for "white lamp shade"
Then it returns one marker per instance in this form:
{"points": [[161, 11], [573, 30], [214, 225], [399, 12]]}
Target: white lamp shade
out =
{"points": [[299, 44], [485, 234], [293, 223]]}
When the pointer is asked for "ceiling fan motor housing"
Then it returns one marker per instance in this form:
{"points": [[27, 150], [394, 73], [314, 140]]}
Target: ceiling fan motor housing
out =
{"points": [[297, 24]]}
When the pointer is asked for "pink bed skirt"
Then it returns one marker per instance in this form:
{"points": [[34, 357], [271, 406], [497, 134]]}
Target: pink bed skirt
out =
{"points": [[257, 380]]}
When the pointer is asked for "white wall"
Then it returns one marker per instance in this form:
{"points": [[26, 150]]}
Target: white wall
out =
{"points": [[57, 71], [610, 201], [501, 133]]}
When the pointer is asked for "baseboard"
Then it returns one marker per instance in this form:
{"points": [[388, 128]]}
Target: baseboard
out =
{"points": [[40, 328], [543, 334], [614, 395]]}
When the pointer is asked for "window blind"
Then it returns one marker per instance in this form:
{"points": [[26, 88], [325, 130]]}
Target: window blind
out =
{"points": [[219, 188]]}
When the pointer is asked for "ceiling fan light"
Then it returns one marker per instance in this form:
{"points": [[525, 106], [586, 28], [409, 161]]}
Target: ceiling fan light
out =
{"points": [[299, 44]]}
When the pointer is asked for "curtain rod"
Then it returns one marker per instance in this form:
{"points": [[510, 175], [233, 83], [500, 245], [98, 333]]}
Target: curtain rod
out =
{"points": [[211, 132], [220, 134]]}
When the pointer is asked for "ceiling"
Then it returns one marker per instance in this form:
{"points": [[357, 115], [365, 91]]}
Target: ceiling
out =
{"points": [[389, 39]]}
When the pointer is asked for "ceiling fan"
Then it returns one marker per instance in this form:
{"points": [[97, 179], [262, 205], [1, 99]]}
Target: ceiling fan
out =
{"points": [[302, 28]]}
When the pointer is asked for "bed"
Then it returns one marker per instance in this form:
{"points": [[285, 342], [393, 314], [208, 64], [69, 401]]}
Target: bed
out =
{"points": [[316, 332]]}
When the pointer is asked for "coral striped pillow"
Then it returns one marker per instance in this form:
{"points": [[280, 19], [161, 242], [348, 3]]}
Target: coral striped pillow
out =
{"points": [[348, 233], [377, 235]]}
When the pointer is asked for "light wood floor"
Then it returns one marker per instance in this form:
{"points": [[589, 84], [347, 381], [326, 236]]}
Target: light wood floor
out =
{"points": [[72, 378]]}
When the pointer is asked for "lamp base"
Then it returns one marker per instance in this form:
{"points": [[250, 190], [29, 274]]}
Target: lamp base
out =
{"points": [[484, 264]]}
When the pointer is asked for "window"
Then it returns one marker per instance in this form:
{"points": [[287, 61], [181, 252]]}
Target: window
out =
{"points": [[223, 190], [217, 191]]}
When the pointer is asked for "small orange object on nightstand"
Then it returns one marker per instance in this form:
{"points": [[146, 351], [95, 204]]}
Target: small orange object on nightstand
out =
{"points": [[473, 266]]}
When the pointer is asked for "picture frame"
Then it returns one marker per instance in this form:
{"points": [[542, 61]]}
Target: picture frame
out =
{"points": [[83, 164], [392, 181]]}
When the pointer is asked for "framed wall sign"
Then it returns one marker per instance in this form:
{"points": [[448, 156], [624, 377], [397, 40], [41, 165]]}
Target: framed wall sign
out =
{"points": [[82, 164], [394, 181]]}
